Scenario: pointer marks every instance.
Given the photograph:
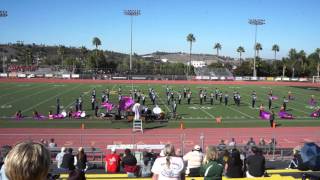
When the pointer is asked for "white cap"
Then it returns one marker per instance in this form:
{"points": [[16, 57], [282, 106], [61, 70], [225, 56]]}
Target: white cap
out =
{"points": [[197, 148], [113, 149], [162, 153]]}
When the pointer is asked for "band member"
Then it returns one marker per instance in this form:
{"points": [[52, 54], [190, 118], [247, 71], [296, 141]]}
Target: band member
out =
{"points": [[184, 92], [270, 101], [254, 98], [108, 93], [211, 98], [174, 108], [220, 97], [205, 95], [272, 117], [270, 92], [58, 105], [168, 99], [216, 92], [201, 97], [285, 101], [189, 97], [179, 97], [80, 103], [143, 99], [93, 92], [93, 102], [226, 97], [167, 91], [77, 105]]}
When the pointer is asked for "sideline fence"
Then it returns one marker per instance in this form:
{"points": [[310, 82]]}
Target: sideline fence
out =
{"points": [[182, 141]]}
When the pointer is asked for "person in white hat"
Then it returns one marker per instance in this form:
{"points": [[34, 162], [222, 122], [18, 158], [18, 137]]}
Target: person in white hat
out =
{"points": [[194, 159]]}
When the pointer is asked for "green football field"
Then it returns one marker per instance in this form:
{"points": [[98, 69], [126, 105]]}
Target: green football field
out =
{"points": [[28, 97]]}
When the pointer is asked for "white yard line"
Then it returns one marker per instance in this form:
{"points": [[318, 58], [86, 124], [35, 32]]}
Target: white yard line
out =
{"points": [[52, 97], [20, 90], [28, 96]]}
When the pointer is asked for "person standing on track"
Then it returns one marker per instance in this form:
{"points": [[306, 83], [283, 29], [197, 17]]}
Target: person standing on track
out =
{"points": [[226, 97]]}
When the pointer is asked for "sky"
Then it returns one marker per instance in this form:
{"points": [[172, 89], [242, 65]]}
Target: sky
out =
{"points": [[164, 24]]}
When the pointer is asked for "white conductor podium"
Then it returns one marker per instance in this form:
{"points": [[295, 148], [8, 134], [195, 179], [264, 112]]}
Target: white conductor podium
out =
{"points": [[137, 125]]}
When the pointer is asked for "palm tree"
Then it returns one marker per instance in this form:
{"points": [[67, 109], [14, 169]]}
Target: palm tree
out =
{"points": [[61, 52], [302, 58], [258, 48], [190, 39], [96, 42], [276, 49], [240, 50], [218, 47]]}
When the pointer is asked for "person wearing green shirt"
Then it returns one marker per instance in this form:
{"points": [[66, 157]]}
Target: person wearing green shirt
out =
{"points": [[211, 169]]}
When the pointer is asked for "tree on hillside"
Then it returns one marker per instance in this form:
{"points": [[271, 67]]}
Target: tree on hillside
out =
{"points": [[61, 52], [96, 42], [240, 50], [276, 49], [190, 39], [218, 47], [258, 48]]}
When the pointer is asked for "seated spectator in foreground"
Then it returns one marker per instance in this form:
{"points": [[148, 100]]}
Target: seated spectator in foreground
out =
{"points": [[297, 162], [129, 163], [4, 152], [232, 143], [68, 160], [222, 146], [146, 165], [27, 161], [255, 163], [59, 157], [194, 159], [52, 144], [112, 162], [251, 142], [234, 165], [210, 168], [77, 175], [262, 142], [169, 166], [80, 160]]}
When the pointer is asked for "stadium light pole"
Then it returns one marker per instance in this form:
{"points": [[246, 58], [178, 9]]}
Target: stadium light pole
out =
{"points": [[3, 14], [131, 13], [256, 23]]}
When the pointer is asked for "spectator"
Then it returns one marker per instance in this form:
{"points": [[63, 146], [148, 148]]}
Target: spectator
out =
{"points": [[234, 165], [80, 161], [44, 142], [68, 160], [112, 162], [27, 161], [129, 163], [59, 157], [194, 159], [297, 162], [4, 152], [255, 163], [169, 166], [146, 164], [52, 144], [210, 168], [262, 142], [76, 175], [232, 143], [251, 142], [222, 146]]}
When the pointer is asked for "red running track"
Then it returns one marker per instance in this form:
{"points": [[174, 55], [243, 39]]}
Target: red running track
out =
{"points": [[90, 81], [286, 136]]}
